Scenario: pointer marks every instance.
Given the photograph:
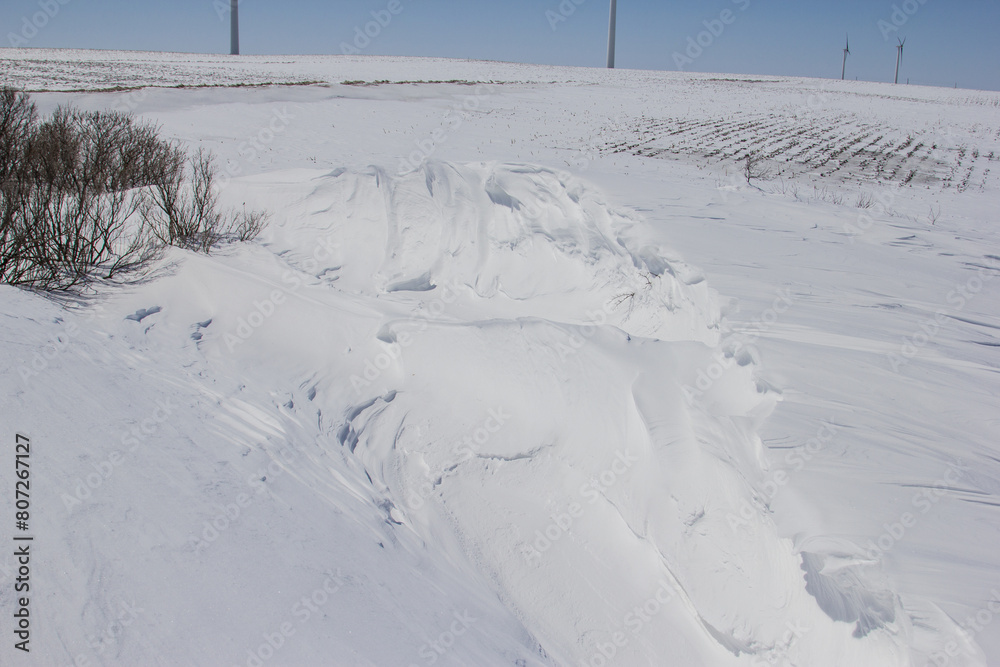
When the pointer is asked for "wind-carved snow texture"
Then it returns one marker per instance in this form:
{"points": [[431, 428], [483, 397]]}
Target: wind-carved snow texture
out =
{"points": [[466, 392], [517, 233], [845, 598], [531, 414]]}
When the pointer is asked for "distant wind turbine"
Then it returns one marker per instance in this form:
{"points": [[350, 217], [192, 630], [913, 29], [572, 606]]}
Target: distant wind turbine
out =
{"points": [[234, 27], [899, 57], [847, 52], [611, 34]]}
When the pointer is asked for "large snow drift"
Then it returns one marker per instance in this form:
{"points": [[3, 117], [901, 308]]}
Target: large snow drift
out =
{"points": [[448, 411], [471, 414]]}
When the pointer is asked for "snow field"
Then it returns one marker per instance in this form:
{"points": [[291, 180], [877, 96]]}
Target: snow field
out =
{"points": [[491, 390]]}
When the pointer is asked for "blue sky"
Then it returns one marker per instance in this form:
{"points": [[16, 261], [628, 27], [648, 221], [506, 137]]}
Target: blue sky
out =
{"points": [[948, 41]]}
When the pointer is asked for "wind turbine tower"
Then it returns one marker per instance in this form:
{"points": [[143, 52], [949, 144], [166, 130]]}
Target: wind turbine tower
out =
{"points": [[847, 52], [234, 27], [611, 33], [899, 58]]}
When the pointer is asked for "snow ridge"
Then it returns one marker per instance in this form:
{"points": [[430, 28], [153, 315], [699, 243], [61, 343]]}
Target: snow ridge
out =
{"points": [[459, 393]]}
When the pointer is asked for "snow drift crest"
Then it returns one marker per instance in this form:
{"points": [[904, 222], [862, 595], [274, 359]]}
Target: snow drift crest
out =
{"points": [[530, 237]]}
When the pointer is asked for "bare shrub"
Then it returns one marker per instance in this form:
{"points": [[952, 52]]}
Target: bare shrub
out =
{"points": [[184, 212], [248, 225], [70, 195], [17, 121], [753, 166], [933, 216], [91, 195], [865, 200], [179, 214]]}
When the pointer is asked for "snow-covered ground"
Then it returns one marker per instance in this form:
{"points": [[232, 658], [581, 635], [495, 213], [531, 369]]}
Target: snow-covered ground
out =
{"points": [[524, 372]]}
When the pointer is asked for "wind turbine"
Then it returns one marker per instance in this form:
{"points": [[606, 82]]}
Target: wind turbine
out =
{"points": [[899, 57], [234, 27], [611, 34], [847, 52]]}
